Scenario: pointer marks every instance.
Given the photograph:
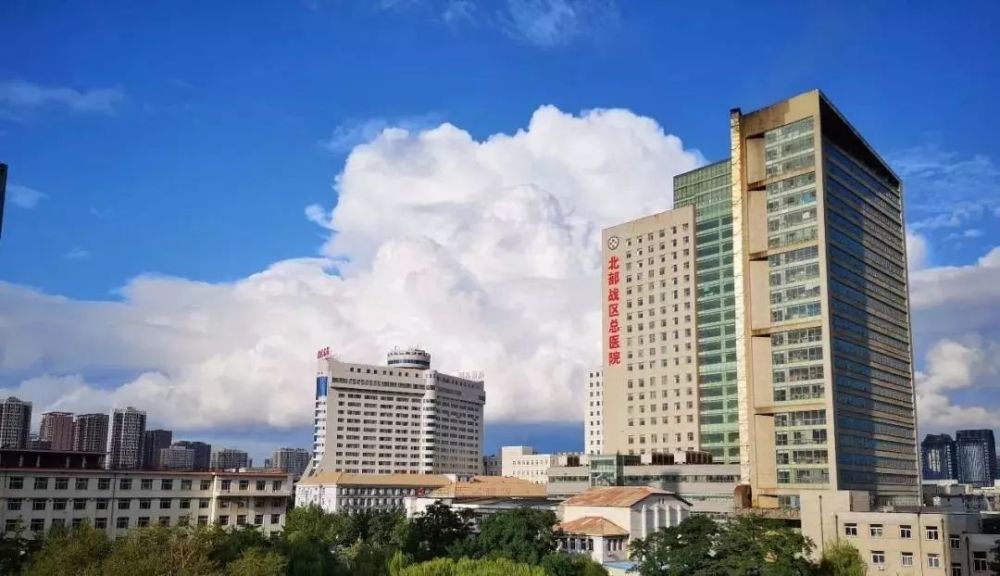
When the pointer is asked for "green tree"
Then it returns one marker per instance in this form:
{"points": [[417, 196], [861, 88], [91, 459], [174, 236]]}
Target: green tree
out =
{"points": [[16, 551], [258, 562], [77, 552], [562, 564], [307, 554], [162, 551], [682, 550], [229, 545], [753, 544], [434, 532], [841, 558], [523, 535], [471, 567]]}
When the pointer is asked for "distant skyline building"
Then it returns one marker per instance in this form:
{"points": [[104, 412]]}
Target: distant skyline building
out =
{"points": [[152, 442], [202, 453], [977, 457], [57, 429], [293, 461], [593, 419], [400, 418], [15, 423], [90, 433], [128, 428], [939, 457], [230, 459], [175, 458]]}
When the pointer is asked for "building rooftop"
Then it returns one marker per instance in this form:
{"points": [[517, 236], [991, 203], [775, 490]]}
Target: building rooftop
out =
{"points": [[592, 526], [348, 479], [491, 487], [617, 496]]}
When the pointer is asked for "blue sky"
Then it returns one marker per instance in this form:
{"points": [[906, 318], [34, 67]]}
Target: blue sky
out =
{"points": [[184, 140]]}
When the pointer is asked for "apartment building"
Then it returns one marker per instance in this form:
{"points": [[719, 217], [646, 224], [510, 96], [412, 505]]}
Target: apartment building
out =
{"points": [[293, 461], [593, 419], [400, 418], [125, 444], [57, 429], [15, 423], [976, 452], [153, 441], [116, 501], [90, 433], [230, 459]]}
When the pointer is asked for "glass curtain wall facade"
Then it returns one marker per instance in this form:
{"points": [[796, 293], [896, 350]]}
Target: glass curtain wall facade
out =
{"points": [[708, 190], [824, 373]]}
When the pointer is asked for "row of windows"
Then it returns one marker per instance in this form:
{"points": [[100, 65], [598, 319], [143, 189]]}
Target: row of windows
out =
{"points": [[60, 483], [39, 504], [38, 525]]}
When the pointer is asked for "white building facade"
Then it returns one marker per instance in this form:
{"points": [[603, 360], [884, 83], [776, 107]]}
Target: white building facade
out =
{"points": [[401, 418], [593, 419], [345, 492], [117, 501]]}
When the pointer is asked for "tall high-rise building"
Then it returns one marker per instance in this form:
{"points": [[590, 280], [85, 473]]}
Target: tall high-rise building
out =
{"points": [[202, 453], [57, 429], [127, 430], [90, 433], [293, 461], [593, 416], [401, 418], [152, 442], [650, 359], [15, 423], [230, 459], [823, 343], [977, 457], [939, 457], [175, 458], [765, 319]]}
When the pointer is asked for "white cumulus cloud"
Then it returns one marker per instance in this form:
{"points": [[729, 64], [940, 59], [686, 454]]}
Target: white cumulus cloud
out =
{"points": [[485, 252], [22, 95]]}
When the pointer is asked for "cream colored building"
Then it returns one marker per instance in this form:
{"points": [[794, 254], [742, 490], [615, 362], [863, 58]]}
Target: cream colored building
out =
{"points": [[927, 542], [524, 463], [593, 414], [400, 418], [601, 522], [648, 298], [347, 492], [483, 495], [116, 501]]}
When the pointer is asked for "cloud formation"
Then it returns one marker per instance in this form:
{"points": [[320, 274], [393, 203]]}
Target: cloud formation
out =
{"points": [[484, 252], [21, 95], [24, 197]]}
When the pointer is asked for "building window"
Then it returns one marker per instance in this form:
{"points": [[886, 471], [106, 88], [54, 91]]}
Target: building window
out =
{"points": [[62, 483], [956, 569], [906, 559], [125, 484], [980, 562], [82, 483], [276, 486], [206, 484], [104, 483], [145, 504], [275, 518], [224, 520], [226, 484], [166, 484], [185, 484], [146, 484], [850, 529], [13, 503], [15, 483], [955, 542], [39, 504], [164, 520], [58, 503], [121, 522], [932, 533], [10, 525], [244, 484], [79, 504], [101, 504], [124, 503], [143, 521], [202, 520], [41, 483], [258, 519], [185, 504], [933, 561], [203, 503], [878, 557], [37, 525], [905, 532], [875, 530], [165, 503], [241, 520], [101, 523]]}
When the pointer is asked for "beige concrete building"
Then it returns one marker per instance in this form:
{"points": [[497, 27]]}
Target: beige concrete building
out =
{"points": [[650, 361], [483, 495], [346, 492], [116, 501], [524, 463], [593, 414], [922, 542], [824, 373], [400, 418]]}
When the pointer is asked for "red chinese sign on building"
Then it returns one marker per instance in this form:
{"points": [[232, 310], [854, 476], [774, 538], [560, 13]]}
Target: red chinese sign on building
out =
{"points": [[614, 344]]}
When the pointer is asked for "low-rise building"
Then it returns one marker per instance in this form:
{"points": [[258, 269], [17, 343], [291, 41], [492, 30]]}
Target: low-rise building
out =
{"points": [[919, 542], [492, 465], [116, 501], [484, 495], [346, 492], [524, 463], [601, 522]]}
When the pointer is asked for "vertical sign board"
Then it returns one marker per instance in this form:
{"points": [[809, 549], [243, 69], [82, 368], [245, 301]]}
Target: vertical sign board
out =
{"points": [[3, 193]]}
